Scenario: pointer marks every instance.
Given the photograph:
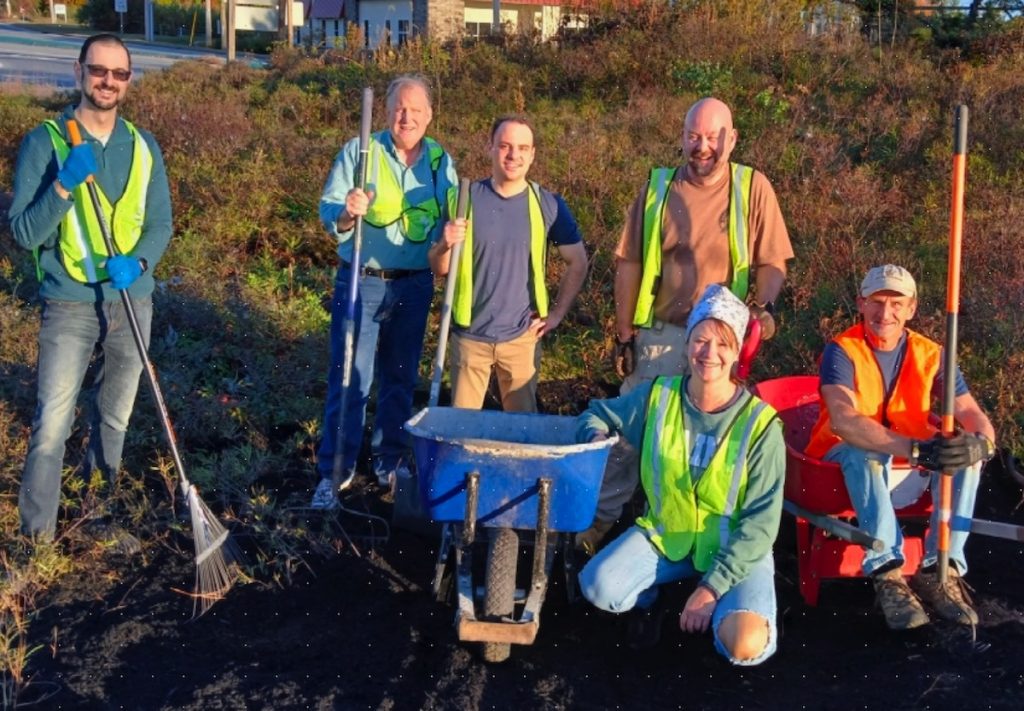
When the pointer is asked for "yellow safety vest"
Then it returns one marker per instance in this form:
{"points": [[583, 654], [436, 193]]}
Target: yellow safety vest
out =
{"points": [[462, 307], [390, 203], [80, 241], [741, 178], [684, 518]]}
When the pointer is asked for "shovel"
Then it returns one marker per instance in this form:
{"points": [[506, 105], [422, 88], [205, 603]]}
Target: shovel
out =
{"points": [[408, 512]]}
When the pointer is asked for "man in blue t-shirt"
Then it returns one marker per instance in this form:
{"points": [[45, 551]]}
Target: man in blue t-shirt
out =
{"points": [[501, 307], [878, 381]]}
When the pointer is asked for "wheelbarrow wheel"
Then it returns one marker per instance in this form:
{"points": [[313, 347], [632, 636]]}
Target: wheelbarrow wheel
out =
{"points": [[500, 587]]}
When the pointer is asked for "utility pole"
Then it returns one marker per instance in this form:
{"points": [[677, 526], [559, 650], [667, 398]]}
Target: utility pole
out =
{"points": [[230, 31], [147, 19], [209, 23], [496, 17], [289, 21]]}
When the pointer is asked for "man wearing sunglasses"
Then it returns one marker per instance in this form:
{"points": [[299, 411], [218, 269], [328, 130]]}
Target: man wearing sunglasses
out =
{"points": [[83, 315]]}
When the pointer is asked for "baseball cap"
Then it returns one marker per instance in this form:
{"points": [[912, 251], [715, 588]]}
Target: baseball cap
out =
{"points": [[719, 303], [889, 277]]}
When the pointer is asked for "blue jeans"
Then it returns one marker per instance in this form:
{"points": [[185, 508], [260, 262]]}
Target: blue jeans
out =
{"points": [[627, 572], [867, 481], [69, 334], [390, 320]]}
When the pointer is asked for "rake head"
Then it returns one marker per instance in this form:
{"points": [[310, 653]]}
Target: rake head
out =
{"points": [[215, 555]]}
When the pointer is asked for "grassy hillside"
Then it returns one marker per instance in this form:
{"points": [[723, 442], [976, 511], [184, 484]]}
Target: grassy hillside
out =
{"points": [[856, 141]]}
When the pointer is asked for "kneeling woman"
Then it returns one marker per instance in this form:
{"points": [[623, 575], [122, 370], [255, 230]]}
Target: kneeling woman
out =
{"points": [[712, 467]]}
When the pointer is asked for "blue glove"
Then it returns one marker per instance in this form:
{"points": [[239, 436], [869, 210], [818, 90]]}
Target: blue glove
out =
{"points": [[123, 271], [78, 166]]}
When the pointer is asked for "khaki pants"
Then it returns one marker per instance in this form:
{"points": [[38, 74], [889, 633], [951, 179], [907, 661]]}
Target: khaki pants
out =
{"points": [[660, 350], [516, 364]]}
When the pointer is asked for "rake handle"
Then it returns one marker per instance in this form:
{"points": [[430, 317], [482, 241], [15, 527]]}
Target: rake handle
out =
{"points": [[129, 308]]}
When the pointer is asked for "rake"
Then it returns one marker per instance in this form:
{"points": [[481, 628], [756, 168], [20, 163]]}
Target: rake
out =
{"points": [[214, 554]]}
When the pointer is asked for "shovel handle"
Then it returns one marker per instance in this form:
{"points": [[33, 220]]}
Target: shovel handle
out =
{"points": [[461, 209]]}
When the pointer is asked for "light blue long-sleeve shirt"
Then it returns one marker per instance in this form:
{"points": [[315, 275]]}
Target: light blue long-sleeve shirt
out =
{"points": [[758, 524], [385, 247]]}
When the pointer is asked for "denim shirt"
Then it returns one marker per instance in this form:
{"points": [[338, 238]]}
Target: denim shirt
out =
{"points": [[385, 247]]}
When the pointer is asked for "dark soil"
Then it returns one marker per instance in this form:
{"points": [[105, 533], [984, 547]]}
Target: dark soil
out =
{"points": [[364, 631]]}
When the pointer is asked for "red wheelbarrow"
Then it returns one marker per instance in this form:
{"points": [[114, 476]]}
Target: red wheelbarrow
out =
{"points": [[829, 545]]}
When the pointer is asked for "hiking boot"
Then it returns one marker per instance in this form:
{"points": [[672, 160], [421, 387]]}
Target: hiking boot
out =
{"points": [[113, 537], [325, 497], [950, 601], [902, 609], [588, 541]]}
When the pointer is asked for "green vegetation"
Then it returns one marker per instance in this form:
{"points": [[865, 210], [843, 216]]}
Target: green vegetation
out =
{"points": [[855, 138]]}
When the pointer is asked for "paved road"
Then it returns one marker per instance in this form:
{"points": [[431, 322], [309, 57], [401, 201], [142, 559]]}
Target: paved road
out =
{"points": [[32, 57]]}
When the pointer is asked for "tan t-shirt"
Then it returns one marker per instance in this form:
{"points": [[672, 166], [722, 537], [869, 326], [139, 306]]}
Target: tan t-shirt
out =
{"points": [[695, 246]]}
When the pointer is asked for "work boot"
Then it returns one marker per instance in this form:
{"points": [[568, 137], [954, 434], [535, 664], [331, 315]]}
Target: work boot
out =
{"points": [[951, 601], [643, 627], [902, 609], [588, 541]]}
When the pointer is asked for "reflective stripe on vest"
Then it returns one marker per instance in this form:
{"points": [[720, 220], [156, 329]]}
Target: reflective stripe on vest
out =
{"points": [[80, 243], [390, 203], [462, 302], [741, 178], [906, 408], [686, 519]]}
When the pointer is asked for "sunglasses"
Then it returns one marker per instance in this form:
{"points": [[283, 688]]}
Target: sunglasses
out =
{"points": [[100, 72]]}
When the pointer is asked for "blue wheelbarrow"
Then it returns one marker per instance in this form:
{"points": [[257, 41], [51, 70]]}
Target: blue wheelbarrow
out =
{"points": [[494, 476]]}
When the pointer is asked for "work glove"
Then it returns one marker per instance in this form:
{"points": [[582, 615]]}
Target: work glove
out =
{"points": [[924, 453], [964, 450], [762, 314], [625, 357], [123, 271], [79, 165]]}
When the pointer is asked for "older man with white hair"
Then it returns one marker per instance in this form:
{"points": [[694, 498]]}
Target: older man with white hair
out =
{"points": [[408, 176]]}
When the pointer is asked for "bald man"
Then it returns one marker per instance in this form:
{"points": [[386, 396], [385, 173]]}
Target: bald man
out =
{"points": [[708, 221]]}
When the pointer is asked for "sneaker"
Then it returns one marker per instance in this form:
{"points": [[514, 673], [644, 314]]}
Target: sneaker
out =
{"points": [[902, 609], [113, 537], [951, 601], [588, 541], [325, 497]]}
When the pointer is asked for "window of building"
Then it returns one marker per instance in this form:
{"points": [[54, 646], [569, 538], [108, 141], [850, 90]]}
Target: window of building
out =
{"points": [[403, 32], [477, 30]]}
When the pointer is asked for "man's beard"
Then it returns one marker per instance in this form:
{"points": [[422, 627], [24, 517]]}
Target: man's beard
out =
{"points": [[103, 105], [703, 168]]}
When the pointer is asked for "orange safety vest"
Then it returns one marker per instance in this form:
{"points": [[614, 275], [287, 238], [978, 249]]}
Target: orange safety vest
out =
{"points": [[905, 410]]}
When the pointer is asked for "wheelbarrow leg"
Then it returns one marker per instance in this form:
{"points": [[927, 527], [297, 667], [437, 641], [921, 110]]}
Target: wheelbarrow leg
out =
{"points": [[466, 613], [443, 574]]}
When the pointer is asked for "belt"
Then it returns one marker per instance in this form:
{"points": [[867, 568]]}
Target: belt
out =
{"points": [[385, 274]]}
